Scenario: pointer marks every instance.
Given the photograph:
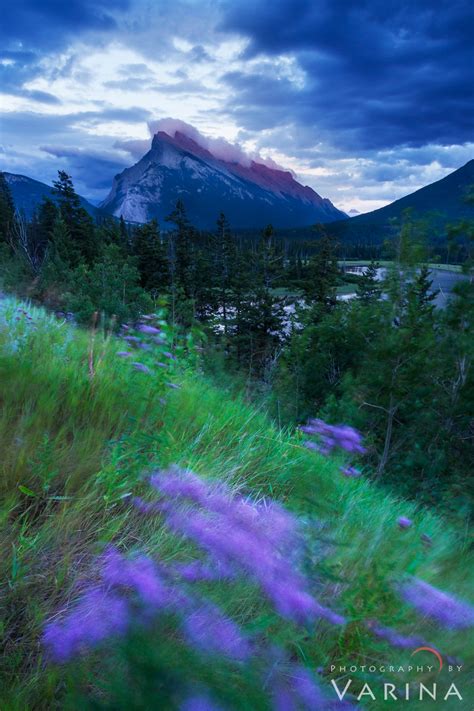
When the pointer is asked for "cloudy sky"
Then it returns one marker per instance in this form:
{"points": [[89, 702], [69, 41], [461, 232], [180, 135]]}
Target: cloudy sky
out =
{"points": [[366, 101]]}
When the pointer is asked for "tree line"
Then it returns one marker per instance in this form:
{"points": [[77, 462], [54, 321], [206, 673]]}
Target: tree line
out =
{"points": [[387, 362]]}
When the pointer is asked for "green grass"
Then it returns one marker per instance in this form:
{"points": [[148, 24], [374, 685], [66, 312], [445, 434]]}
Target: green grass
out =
{"points": [[457, 268], [363, 262], [78, 428], [344, 289]]}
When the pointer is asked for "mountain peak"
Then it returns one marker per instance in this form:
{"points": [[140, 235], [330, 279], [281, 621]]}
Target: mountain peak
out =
{"points": [[210, 176]]}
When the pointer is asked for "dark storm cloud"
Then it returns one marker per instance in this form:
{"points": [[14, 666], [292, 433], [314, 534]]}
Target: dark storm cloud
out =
{"points": [[50, 24], [372, 98], [376, 74], [30, 30]]}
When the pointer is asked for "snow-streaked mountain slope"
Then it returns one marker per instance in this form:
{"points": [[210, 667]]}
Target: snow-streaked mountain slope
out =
{"points": [[250, 194]]}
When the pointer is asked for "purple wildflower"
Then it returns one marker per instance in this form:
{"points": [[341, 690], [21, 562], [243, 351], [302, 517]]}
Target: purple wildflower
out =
{"points": [[97, 616], [210, 631], [350, 471], [282, 699], [332, 436], [124, 354], [132, 339], [290, 601], [160, 365], [404, 522], [447, 610], [306, 689], [140, 575], [173, 385], [141, 367], [260, 540], [149, 330], [178, 483], [199, 702], [169, 355], [146, 507], [197, 570], [395, 638]]}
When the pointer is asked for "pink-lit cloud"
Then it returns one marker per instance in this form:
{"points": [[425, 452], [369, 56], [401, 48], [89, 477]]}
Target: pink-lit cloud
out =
{"points": [[219, 147]]}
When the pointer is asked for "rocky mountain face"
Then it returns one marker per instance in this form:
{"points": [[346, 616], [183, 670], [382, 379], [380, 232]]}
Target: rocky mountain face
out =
{"points": [[250, 194]]}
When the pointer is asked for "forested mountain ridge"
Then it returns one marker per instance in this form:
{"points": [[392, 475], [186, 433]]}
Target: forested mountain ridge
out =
{"points": [[440, 203], [28, 194]]}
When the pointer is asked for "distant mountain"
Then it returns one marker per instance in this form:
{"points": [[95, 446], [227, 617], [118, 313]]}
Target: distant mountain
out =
{"points": [[441, 202], [27, 194], [250, 194]]}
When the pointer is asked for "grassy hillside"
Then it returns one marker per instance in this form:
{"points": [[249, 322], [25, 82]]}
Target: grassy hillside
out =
{"points": [[78, 428]]}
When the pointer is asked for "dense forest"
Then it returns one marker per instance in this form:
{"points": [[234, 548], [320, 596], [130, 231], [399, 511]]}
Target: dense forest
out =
{"points": [[268, 316]]}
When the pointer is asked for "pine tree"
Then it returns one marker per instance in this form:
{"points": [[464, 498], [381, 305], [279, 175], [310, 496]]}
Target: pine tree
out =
{"points": [[368, 289], [269, 258], [182, 249], [151, 258], [321, 273], [78, 221], [224, 262], [7, 209]]}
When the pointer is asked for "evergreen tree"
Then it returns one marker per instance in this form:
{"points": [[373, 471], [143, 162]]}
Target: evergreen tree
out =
{"points": [[182, 249], [321, 273], [224, 263], [151, 258], [7, 209], [368, 289], [111, 286], [78, 221], [420, 298], [269, 259]]}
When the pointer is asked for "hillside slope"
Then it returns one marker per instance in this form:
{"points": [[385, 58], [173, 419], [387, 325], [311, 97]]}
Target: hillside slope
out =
{"points": [[79, 427], [440, 203]]}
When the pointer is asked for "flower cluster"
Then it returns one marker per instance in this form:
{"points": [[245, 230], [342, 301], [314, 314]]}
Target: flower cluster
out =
{"points": [[151, 339], [331, 437], [395, 638], [447, 610], [236, 538], [259, 540], [98, 616]]}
